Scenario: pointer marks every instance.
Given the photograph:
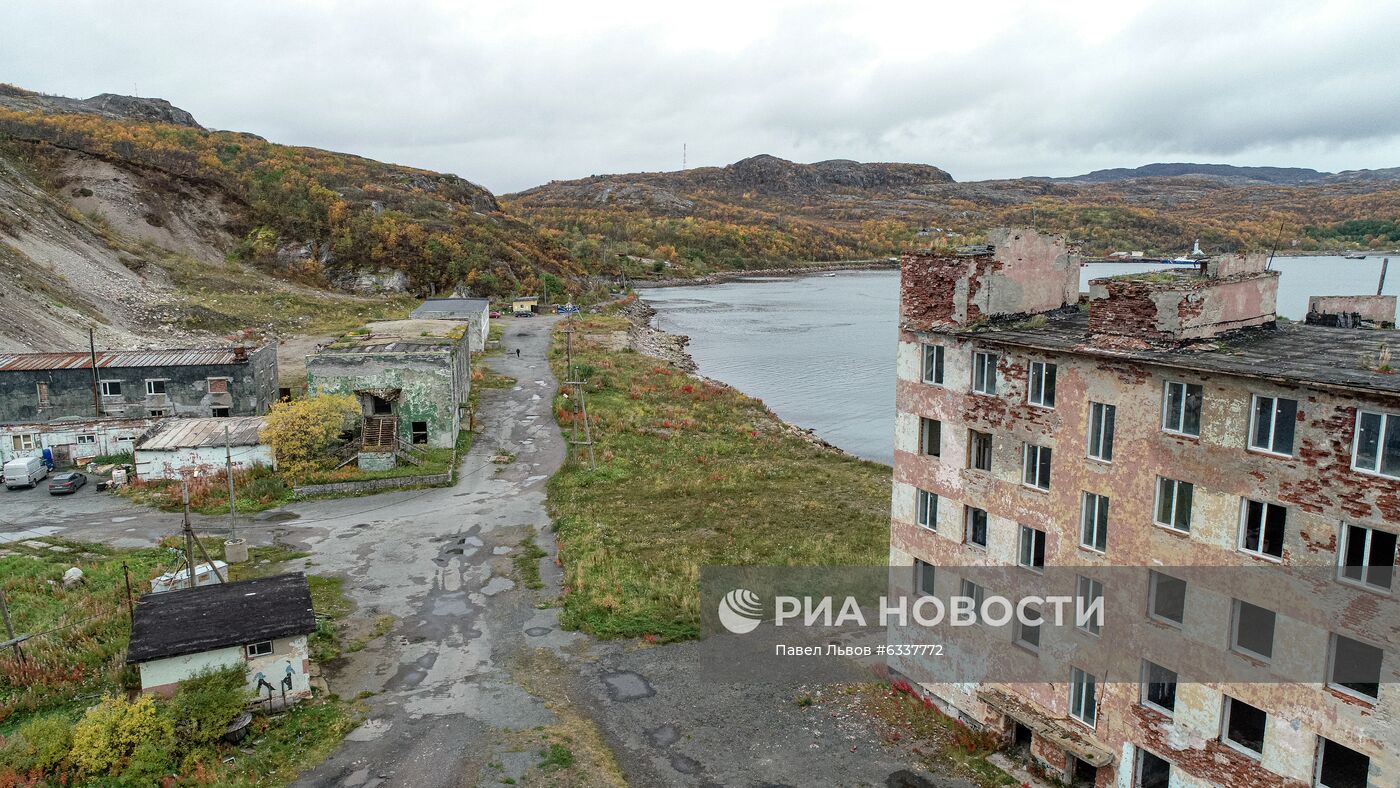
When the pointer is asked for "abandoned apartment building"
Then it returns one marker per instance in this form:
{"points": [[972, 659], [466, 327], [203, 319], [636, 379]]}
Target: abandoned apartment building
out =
{"points": [[57, 401], [1167, 420], [412, 379]]}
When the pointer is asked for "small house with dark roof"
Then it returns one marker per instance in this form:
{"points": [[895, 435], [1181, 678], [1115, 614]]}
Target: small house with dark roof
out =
{"points": [[475, 312], [259, 625]]}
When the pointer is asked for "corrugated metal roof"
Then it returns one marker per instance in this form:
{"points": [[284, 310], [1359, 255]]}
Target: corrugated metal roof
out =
{"points": [[200, 433], [81, 359]]}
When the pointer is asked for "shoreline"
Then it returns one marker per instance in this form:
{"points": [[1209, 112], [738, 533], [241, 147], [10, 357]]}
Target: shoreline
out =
{"points": [[644, 337], [720, 277]]}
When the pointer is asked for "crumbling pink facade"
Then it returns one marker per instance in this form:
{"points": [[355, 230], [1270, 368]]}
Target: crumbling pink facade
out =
{"points": [[1208, 335]]}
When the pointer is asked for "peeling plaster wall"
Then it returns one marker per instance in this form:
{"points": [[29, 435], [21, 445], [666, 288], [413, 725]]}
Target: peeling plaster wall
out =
{"points": [[1317, 485], [1375, 308], [433, 385], [1184, 308]]}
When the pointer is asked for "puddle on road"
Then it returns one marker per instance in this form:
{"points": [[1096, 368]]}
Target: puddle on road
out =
{"points": [[451, 604], [685, 765], [663, 736], [624, 686], [535, 632], [277, 517]]}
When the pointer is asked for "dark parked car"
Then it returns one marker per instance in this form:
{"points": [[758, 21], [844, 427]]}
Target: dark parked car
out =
{"points": [[523, 313], [65, 483]]}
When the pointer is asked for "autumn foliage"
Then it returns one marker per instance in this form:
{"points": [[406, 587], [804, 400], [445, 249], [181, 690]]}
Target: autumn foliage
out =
{"points": [[305, 433]]}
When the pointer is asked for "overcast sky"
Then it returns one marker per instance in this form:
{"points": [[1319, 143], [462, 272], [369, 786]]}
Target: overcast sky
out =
{"points": [[511, 95]]}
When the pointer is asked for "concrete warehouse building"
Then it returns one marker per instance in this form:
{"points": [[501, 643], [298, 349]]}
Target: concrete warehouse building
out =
{"points": [[412, 379], [475, 312], [222, 381], [1168, 422]]}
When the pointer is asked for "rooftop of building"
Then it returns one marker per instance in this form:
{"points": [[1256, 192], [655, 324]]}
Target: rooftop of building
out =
{"points": [[82, 359], [204, 433], [195, 620], [399, 336], [439, 308], [1285, 351]]}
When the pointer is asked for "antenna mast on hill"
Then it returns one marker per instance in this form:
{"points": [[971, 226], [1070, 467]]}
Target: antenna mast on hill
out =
{"points": [[683, 152]]}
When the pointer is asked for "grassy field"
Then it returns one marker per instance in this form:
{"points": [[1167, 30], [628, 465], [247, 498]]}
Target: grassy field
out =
{"points": [[77, 659], [691, 473]]}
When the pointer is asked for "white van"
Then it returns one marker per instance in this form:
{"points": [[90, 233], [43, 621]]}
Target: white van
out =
{"points": [[25, 472]]}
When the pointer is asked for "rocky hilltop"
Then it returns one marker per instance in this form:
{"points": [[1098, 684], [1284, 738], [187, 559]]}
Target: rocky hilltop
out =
{"points": [[107, 105]]}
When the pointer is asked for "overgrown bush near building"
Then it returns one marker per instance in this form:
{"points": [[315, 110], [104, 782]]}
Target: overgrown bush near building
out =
{"points": [[305, 433]]}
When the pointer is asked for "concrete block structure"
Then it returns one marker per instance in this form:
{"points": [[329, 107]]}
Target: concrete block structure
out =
{"points": [[474, 312], [259, 626], [224, 381], [1166, 420], [181, 448], [412, 378]]}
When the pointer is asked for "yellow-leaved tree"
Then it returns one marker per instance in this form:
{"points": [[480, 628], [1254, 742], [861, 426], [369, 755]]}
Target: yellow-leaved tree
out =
{"points": [[110, 732], [305, 433]]}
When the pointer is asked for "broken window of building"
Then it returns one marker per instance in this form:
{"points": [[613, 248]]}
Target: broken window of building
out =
{"points": [[984, 373], [1173, 508], [1273, 422], [1158, 687], [1036, 470], [1377, 447], [1031, 554], [976, 526], [1368, 556], [927, 510], [42, 393], [156, 413], [1252, 632], [1041, 388], [25, 441], [1166, 598], [155, 388], [111, 388], [1028, 634], [1093, 522], [1152, 771], [1261, 528], [1244, 726], [218, 385], [930, 437], [1101, 431], [1083, 697], [1087, 591], [979, 450], [1181, 408], [1355, 667], [933, 364], [219, 413], [970, 590], [87, 439], [259, 649], [923, 577], [418, 432], [1341, 767]]}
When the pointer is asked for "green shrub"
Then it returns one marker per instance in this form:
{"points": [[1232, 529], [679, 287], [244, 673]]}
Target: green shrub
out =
{"points": [[204, 705], [110, 732], [40, 745]]}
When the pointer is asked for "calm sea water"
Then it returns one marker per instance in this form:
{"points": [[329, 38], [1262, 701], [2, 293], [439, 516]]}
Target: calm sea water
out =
{"points": [[819, 350]]}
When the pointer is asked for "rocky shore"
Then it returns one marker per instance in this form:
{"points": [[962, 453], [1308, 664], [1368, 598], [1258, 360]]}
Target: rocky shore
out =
{"points": [[793, 270]]}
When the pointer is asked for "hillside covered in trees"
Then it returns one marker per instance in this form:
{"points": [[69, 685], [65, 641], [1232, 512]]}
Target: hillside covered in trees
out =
{"points": [[765, 210]]}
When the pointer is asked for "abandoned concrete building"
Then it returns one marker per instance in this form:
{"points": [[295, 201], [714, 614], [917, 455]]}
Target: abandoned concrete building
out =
{"points": [[412, 379], [1167, 420], [221, 381], [474, 312]]}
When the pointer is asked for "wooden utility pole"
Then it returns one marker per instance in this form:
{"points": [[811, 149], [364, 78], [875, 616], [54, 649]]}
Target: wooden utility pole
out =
{"points": [[1380, 286], [228, 469], [9, 629], [582, 411], [92, 358]]}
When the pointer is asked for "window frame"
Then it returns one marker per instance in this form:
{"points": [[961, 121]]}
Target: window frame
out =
{"points": [[1046, 375], [1322, 742], [1270, 449], [1242, 541], [1336, 686], [983, 362], [1237, 609], [1152, 586], [86, 439], [1141, 759], [924, 428], [1180, 428], [1042, 463], [921, 497], [967, 526], [1089, 627], [1083, 694], [1037, 538], [248, 649], [1021, 627], [226, 381], [1099, 524], [939, 367], [920, 566], [26, 441], [975, 591], [1381, 430], [1106, 422], [1225, 715], [1343, 548], [106, 387], [151, 386], [973, 438], [1176, 502], [1144, 695]]}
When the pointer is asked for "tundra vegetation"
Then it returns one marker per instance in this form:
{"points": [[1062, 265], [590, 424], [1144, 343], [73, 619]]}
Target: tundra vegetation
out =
{"points": [[689, 473], [66, 714]]}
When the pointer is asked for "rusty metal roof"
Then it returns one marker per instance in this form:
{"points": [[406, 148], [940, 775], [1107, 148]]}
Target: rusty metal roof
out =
{"points": [[81, 359], [200, 433]]}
